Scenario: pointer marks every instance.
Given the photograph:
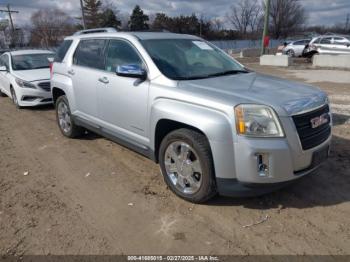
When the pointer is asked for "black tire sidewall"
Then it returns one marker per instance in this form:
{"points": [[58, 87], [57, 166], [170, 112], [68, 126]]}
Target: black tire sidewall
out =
{"points": [[207, 188]]}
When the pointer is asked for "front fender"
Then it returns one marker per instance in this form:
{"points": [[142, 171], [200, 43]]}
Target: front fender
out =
{"points": [[216, 125], [65, 84]]}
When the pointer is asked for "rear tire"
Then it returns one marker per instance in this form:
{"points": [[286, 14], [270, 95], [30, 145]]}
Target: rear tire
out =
{"points": [[186, 163], [64, 119]]}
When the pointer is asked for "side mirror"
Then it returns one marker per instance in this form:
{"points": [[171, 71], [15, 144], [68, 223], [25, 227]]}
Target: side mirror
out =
{"points": [[134, 71], [3, 69]]}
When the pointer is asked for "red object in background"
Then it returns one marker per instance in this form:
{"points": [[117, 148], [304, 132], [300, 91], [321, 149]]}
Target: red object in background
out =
{"points": [[266, 41]]}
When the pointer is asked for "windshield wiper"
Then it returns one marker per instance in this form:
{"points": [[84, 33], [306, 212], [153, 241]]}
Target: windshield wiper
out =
{"points": [[229, 72]]}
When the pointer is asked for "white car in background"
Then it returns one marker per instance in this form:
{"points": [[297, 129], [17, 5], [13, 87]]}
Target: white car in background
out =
{"points": [[25, 77], [295, 48], [327, 44]]}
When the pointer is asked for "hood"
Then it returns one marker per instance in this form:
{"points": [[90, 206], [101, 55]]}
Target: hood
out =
{"points": [[286, 97], [33, 75]]}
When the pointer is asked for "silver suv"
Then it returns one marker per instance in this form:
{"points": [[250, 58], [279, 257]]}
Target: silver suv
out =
{"points": [[211, 124]]}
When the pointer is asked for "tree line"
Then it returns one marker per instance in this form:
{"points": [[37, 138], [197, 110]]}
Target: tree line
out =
{"points": [[243, 20]]}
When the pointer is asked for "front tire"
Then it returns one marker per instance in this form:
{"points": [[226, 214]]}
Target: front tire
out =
{"points": [[65, 120], [291, 53], [14, 98], [2, 94], [187, 166]]}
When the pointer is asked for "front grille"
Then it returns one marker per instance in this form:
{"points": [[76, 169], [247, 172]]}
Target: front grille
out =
{"points": [[312, 137], [45, 86]]}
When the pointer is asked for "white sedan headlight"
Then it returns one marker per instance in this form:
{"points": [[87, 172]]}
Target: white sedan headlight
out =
{"points": [[257, 121], [24, 84]]}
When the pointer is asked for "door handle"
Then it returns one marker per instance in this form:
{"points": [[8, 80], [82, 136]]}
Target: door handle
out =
{"points": [[71, 72], [103, 80]]}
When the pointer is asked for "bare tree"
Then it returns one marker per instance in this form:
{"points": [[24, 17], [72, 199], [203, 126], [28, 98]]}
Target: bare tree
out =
{"points": [[216, 24], [245, 15], [287, 17], [49, 26]]}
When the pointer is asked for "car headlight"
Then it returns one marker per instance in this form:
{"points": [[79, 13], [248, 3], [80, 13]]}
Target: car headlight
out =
{"points": [[257, 121], [24, 84]]}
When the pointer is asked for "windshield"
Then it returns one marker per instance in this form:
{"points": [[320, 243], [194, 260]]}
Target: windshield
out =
{"points": [[185, 59], [31, 61]]}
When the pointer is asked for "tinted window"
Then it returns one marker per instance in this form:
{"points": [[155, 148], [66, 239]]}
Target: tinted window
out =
{"points": [[62, 50], [30, 61], [121, 53], [326, 40], [90, 53]]}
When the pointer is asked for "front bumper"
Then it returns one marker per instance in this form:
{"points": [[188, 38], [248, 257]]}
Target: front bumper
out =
{"points": [[33, 97], [285, 159]]}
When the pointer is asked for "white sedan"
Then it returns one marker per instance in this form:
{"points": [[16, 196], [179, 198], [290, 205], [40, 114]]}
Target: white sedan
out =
{"points": [[25, 77]]}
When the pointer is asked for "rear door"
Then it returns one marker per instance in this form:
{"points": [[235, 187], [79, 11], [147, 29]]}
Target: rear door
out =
{"points": [[88, 64]]}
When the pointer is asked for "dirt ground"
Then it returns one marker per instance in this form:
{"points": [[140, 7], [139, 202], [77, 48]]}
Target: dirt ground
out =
{"points": [[91, 196]]}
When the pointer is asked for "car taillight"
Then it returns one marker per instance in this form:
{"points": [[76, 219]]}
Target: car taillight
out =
{"points": [[51, 69]]}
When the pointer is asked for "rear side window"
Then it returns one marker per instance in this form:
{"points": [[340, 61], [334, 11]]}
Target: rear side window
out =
{"points": [[62, 50], [90, 53]]}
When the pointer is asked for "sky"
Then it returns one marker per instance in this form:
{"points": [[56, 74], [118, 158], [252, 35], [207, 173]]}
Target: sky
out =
{"points": [[319, 12]]}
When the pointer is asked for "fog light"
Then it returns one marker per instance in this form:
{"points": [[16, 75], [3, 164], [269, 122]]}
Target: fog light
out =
{"points": [[263, 164]]}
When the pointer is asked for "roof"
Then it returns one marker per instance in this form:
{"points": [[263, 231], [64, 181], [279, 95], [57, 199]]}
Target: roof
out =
{"points": [[30, 52], [139, 35]]}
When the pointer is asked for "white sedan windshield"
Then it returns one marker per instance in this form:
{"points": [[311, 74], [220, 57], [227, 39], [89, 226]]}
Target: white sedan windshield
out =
{"points": [[30, 61]]}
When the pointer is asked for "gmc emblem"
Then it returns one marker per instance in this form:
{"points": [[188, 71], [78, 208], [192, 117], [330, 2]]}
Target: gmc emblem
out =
{"points": [[320, 120]]}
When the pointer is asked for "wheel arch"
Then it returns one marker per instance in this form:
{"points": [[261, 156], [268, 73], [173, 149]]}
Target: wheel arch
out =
{"points": [[168, 115], [56, 93]]}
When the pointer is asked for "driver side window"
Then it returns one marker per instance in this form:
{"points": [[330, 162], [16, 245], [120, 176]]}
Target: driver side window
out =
{"points": [[119, 53]]}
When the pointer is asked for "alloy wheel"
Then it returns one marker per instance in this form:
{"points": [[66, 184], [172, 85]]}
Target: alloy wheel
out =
{"points": [[183, 167], [64, 118]]}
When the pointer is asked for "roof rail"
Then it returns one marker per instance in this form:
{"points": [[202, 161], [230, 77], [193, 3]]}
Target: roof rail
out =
{"points": [[96, 30]]}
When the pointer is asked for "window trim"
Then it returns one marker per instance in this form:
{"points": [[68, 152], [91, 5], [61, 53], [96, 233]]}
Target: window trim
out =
{"points": [[132, 46], [108, 39], [89, 39]]}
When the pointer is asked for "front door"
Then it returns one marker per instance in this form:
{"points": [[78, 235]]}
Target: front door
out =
{"points": [[123, 100]]}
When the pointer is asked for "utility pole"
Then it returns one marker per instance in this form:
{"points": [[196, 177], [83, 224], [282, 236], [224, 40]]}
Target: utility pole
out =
{"points": [[266, 26], [9, 12], [83, 13]]}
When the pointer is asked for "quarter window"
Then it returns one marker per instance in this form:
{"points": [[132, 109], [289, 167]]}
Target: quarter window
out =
{"points": [[119, 53], [90, 53]]}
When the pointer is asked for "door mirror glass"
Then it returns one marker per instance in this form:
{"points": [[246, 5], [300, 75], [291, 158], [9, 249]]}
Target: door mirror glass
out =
{"points": [[135, 71], [3, 69]]}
